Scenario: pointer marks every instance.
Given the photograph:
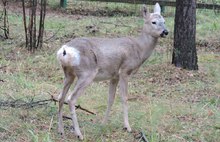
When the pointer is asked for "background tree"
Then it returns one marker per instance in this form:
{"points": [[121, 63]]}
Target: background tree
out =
{"points": [[63, 3], [33, 41], [4, 19], [184, 53]]}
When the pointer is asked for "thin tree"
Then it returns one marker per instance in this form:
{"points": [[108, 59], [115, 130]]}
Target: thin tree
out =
{"points": [[41, 23], [184, 53], [63, 3], [34, 37], [5, 27], [25, 23]]}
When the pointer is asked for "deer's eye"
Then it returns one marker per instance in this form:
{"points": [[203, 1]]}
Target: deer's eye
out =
{"points": [[154, 23]]}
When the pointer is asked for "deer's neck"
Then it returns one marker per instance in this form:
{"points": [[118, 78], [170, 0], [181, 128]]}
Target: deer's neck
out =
{"points": [[146, 44]]}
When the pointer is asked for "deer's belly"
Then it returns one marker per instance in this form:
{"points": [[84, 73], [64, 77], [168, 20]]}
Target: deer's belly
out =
{"points": [[105, 75]]}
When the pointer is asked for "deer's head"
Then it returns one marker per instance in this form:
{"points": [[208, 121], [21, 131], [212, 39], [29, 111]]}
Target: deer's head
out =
{"points": [[154, 23]]}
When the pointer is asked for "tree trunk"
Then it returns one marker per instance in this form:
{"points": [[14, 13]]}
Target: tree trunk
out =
{"points": [[25, 23], [63, 3], [34, 37], [184, 53], [5, 27], [41, 23]]}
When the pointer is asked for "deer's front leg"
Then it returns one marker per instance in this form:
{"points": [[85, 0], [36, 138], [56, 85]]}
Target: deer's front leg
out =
{"points": [[123, 88], [111, 97]]}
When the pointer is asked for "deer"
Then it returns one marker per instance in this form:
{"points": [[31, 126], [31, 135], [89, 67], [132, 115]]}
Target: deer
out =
{"points": [[92, 59]]}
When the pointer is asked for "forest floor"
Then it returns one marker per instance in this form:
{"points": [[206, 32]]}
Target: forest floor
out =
{"points": [[165, 103]]}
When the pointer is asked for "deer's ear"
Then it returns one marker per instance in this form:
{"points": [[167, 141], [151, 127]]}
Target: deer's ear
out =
{"points": [[144, 11], [157, 8]]}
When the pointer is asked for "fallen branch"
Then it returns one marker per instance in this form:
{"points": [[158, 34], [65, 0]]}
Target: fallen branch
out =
{"points": [[2, 67], [141, 137], [53, 98], [67, 117], [20, 103], [3, 28], [77, 106]]}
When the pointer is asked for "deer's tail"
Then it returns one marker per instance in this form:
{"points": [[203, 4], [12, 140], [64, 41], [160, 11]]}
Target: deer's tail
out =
{"points": [[68, 56]]}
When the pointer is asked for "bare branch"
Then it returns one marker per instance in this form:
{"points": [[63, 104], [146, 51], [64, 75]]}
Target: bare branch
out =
{"points": [[3, 67], [20, 103], [77, 106]]}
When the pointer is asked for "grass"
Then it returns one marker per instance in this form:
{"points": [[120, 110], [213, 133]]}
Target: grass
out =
{"points": [[166, 103]]}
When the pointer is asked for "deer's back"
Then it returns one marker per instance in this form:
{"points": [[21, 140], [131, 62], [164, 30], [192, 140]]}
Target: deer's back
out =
{"points": [[107, 55]]}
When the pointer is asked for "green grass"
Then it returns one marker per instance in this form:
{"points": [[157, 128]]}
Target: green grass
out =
{"points": [[166, 103]]}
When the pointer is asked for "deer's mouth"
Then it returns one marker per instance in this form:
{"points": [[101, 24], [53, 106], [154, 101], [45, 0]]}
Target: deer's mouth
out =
{"points": [[164, 33]]}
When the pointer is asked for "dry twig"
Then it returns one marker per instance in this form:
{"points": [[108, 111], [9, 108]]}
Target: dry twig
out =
{"points": [[20, 103], [77, 106]]}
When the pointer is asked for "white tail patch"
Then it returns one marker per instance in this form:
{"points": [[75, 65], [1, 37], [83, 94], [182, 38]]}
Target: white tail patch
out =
{"points": [[68, 56]]}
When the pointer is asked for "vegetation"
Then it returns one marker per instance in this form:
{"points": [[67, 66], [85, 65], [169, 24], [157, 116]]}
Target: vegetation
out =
{"points": [[166, 103]]}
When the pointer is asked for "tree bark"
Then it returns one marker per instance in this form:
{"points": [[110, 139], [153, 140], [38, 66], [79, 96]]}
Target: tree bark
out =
{"points": [[184, 53], [25, 23], [41, 23], [63, 3], [5, 19], [34, 25]]}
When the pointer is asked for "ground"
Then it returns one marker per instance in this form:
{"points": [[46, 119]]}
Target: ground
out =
{"points": [[165, 103]]}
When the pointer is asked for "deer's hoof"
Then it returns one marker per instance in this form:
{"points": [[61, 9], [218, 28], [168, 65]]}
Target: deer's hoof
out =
{"points": [[128, 129], [78, 134], [60, 131]]}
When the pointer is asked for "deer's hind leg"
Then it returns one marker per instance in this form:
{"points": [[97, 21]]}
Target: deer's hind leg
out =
{"points": [[69, 78], [82, 82]]}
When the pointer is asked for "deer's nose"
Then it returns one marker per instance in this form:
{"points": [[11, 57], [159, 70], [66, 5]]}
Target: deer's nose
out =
{"points": [[165, 32]]}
